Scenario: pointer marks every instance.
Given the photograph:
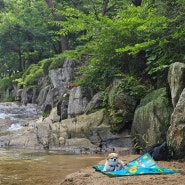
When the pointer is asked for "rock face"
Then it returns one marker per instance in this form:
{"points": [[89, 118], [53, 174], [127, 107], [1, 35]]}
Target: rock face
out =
{"points": [[67, 126], [79, 97], [176, 80], [76, 121], [152, 118], [95, 103], [176, 132], [51, 88], [83, 133], [59, 79]]}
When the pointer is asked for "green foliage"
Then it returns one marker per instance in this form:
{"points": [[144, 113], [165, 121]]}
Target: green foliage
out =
{"points": [[52, 63], [35, 71], [56, 62], [19, 82], [107, 39], [33, 74], [104, 97], [45, 114], [157, 64], [133, 86], [45, 65], [116, 123], [30, 76], [47, 111], [96, 76], [10, 98], [111, 40], [24, 34], [6, 87], [6, 82], [138, 147]]}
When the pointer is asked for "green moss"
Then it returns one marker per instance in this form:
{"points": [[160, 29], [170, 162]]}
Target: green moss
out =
{"points": [[45, 65], [118, 118], [158, 95], [33, 77], [57, 62], [47, 111], [117, 122]]}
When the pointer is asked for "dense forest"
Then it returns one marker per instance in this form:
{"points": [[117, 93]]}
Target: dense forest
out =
{"points": [[137, 39]]}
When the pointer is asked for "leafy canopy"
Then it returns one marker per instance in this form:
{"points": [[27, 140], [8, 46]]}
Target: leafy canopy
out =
{"points": [[105, 39]]}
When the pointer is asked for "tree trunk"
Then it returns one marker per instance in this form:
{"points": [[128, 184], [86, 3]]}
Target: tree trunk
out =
{"points": [[105, 7], [21, 62], [63, 42], [137, 2]]}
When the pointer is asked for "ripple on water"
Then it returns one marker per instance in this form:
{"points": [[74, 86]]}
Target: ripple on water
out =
{"points": [[30, 167]]}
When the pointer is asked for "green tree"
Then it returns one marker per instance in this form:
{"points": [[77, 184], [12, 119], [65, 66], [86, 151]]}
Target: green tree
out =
{"points": [[106, 38], [116, 41], [112, 40], [24, 34]]}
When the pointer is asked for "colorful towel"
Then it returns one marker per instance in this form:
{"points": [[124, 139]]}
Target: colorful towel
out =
{"points": [[140, 166]]}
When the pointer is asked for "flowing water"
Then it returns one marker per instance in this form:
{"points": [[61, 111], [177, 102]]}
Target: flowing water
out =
{"points": [[33, 167]]}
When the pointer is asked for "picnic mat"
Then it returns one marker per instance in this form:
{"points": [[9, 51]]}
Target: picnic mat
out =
{"points": [[142, 165]]}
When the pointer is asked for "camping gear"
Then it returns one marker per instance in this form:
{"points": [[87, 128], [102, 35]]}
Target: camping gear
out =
{"points": [[142, 165], [159, 152]]}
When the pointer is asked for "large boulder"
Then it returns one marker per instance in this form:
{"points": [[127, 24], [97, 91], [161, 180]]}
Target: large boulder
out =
{"points": [[176, 132], [43, 94], [95, 103], [25, 137], [79, 97], [61, 77], [176, 80], [122, 106], [152, 118]]}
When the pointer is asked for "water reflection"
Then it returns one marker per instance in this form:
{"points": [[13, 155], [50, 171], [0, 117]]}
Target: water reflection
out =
{"points": [[29, 167]]}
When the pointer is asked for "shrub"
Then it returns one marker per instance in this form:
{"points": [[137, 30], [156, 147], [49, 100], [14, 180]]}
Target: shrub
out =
{"points": [[133, 86], [45, 65], [32, 74], [56, 62], [5, 82], [96, 76]]}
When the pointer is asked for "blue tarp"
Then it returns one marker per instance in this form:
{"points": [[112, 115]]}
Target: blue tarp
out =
{"points": [[140, 166]]}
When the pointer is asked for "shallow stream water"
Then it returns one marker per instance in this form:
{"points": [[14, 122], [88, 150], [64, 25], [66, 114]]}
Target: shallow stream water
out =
{"points": [[39, 167]]}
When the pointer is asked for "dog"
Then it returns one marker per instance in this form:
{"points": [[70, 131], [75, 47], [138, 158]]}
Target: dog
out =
{"points": [[113, 163]]}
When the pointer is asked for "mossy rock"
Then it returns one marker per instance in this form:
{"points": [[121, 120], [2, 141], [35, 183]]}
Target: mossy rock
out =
{"points": [[152, 118]]}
